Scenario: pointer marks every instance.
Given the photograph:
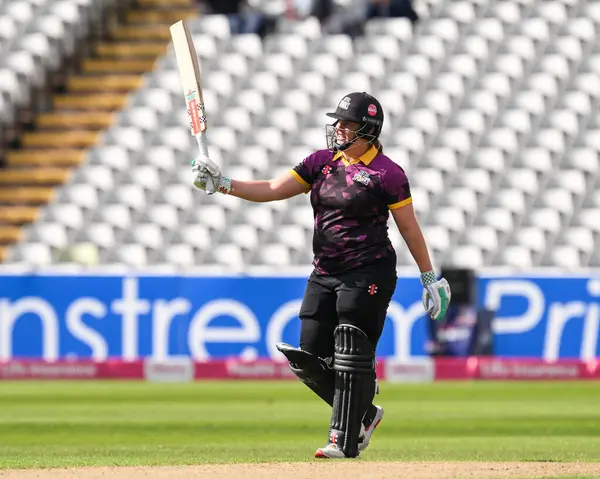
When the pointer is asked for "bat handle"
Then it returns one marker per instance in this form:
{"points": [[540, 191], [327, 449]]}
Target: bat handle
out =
{"points": [[203, 146]]}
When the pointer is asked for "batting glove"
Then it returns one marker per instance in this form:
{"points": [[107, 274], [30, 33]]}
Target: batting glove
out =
{"points": [[208, 172], [436, 295]]}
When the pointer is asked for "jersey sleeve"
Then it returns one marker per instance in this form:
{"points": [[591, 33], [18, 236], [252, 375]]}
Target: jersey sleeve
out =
{"points": [[396, 188], [306, 171]]}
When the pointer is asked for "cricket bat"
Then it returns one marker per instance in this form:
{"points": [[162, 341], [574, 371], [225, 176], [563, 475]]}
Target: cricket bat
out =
{"points": [[191, 81]]}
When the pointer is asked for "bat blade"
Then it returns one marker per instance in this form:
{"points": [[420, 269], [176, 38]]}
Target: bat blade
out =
{"points": [[191, 76], [191, 82]]}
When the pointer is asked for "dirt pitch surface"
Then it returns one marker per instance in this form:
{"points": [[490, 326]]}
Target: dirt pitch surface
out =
{"points": [[364, 470]]}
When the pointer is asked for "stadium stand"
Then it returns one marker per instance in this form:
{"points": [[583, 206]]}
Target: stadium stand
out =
{"points": [[492, 108]]}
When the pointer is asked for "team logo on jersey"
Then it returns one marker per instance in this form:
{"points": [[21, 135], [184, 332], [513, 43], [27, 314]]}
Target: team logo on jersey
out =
{"points": [[345, 103], [362, 177], [373, 289], [326, 169]]}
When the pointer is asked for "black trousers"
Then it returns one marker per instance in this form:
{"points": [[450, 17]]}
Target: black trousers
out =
{"points": [[359, 297]]}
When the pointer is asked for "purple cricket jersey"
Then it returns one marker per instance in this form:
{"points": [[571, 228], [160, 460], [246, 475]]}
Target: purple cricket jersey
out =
{"points": [[351, 203]]}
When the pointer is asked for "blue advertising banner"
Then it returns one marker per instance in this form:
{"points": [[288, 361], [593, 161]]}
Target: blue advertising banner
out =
{"points": [[131, 317]]}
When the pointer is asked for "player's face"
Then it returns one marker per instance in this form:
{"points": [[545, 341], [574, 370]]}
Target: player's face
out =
{"points": [[345, 131]]}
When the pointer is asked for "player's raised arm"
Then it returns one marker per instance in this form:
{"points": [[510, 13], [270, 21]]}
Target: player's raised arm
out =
{"points": [[280, 188]]}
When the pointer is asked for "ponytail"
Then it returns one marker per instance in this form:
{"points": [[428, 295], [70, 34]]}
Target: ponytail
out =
{"points": [[378, 145]]}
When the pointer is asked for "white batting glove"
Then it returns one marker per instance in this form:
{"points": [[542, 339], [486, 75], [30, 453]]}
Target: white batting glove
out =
{"points": [[208, 172], [436, 295]]}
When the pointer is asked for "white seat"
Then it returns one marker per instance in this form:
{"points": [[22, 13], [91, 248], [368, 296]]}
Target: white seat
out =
{"points": [[463, 12], [385, 46], [116, 215], [196, 236], [537, 159], [370, 63], [83, 195], [466, 256], [559, 199], [164, 215], [517, 256], [248, 44], [471, 120], [443, 159], [68, 214], [180, 254], [531, 101], [463, 198], [543, 83], [463, 65], [132, 255], [522, 46], [484, 101], [512, 200], [35, 254], [504, 139], [531, 237], [570, 48], [148, 235], [580, 238], [211, 216], [264, 81], [556, 65], [566, 256], [476, 46], [146, 176], [244, 235], [484, 237], [419, 66], [128, 137], [583, 27], [565, 121], [229, 254], [291, 236], [445, 28], [215, 25], [429, 179], [53, 234], [588, 217], [572, 181], [577, 101], [589, 84], [497, 83], [393, 101], [547, 219], [411, 139], [403, 82], [450, 217], [439, 102], [499, 218], [490, 159], [536, 28], [476, 179], [584, 159], [517, 120], [523, 179], [437, 237], [511, 65], [420, 200], [179, 196], [101, 234], [489, 29], [274, 254]]}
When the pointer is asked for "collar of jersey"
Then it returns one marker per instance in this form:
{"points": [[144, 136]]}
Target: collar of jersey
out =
{"points": [[365, 158]]}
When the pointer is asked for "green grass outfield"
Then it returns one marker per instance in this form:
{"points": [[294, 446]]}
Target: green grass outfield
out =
{"points": [[47, 424]]}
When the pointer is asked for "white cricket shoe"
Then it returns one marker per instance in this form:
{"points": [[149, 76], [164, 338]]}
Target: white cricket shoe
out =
{"points": [[367, 431], [331, 451]]}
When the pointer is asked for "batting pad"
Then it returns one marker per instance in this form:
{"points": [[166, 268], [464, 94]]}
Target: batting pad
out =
{"points": [[354, 366]]}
